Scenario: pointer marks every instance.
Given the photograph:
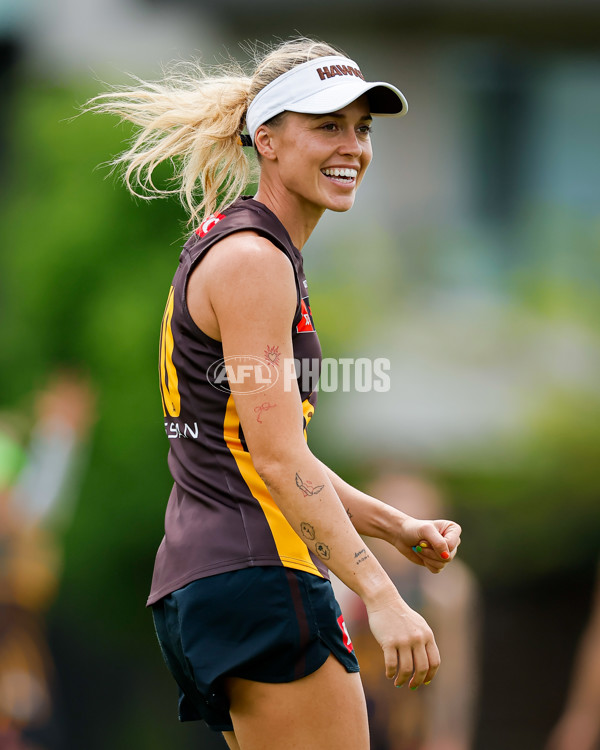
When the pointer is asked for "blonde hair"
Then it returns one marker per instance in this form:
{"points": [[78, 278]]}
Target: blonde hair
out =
{"points": [[193, 118]]}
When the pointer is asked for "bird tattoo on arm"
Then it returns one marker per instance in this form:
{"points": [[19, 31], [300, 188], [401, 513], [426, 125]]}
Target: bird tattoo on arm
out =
{"points": [[307, 487]]}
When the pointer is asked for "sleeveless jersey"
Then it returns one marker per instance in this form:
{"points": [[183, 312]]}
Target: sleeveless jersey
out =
{"points": [[220, 515]]}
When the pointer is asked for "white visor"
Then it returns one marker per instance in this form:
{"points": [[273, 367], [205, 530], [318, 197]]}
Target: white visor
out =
{"points": [[319, 86]]}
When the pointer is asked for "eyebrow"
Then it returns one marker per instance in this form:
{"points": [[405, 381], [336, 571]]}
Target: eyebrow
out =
{"points": [[337, 116]]}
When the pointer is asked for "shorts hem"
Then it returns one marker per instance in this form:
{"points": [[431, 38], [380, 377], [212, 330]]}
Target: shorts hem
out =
{"points": [[287, 639]]}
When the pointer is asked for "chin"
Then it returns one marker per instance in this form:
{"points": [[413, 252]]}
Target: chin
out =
{"points": [[339, 203], [341, 207]]}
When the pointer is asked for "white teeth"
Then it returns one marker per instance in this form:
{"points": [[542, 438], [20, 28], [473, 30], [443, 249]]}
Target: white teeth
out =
{"points": [[349, 173]]}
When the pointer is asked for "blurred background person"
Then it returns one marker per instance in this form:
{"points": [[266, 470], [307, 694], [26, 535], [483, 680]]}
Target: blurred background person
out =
{"points": [[442, 715], [579, 725], [38, 487]]}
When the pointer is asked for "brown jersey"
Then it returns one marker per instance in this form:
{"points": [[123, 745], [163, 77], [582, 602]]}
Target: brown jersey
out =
{"points": [[220, 515]]}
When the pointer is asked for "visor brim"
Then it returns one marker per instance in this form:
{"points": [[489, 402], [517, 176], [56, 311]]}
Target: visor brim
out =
{"points": [[385, 100]]}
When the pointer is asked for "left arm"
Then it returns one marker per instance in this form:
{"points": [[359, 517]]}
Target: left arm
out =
{"points": [[375, 518]]}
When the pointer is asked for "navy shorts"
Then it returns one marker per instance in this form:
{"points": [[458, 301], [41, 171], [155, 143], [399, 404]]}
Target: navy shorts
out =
{"points": [[268, 624]]}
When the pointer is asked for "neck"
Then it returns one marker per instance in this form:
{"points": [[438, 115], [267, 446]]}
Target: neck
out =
{"points": [[297, 215]]}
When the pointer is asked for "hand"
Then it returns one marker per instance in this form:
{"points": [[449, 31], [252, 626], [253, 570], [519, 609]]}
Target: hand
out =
{"points": [[574, 730], [409, 648], [441, 540]]}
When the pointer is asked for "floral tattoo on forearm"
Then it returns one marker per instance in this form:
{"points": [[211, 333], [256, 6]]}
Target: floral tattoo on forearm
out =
{"points": [[323, 550]]}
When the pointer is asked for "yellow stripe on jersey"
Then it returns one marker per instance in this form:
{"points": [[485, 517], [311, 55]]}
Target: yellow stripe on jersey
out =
{"points": [[290, 548], [307, 410], [169, 382]]}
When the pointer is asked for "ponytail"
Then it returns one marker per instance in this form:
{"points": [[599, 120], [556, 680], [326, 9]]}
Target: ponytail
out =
{"points": [[194, 120]]}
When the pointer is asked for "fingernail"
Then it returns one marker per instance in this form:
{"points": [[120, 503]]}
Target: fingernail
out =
{"points": [[414, 687], [427, 683], [400, 685], [417, 548], [444, 555]]}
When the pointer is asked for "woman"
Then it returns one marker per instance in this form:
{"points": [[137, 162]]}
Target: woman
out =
{"points": [[242, 604]]}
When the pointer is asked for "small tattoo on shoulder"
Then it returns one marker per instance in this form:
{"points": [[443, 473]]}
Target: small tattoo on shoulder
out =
{"points": [[307, 530], [272, 355], [307, 487], [323, 550]]}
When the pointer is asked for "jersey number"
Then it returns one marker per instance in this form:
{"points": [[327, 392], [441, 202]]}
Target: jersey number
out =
{"points": [[169, 389]]}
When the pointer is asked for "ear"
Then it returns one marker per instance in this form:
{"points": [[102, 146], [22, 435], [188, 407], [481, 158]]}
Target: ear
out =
{"points": [[263, 140]]}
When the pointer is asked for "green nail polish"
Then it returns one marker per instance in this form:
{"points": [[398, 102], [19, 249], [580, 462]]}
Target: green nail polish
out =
{"points": [[414, 687], [418, 548], [399, 686]]}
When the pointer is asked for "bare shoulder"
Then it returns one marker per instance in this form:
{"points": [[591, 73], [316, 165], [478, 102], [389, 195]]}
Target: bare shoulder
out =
{"points": [[242, 272], [246, 253]]}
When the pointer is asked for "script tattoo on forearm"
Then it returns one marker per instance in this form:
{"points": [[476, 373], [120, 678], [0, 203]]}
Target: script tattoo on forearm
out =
{"points": [[323, 550], [361, 556], [307, 487], [308, 531]]}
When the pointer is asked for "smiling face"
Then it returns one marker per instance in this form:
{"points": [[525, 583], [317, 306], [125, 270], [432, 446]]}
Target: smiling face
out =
{"points": [[316, 162]]}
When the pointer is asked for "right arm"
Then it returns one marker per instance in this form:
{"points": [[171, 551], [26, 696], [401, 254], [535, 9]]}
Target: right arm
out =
{"points": [[246, 296], [374, 518]]}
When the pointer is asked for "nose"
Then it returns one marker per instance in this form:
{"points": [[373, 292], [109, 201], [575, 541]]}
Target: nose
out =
{"points": [[350, 145]]}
